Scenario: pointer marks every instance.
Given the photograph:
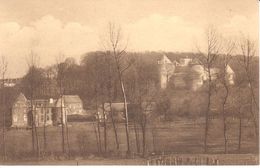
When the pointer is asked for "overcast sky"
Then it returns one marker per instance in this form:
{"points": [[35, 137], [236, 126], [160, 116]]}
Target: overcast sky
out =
{"points": [[74, 27]]}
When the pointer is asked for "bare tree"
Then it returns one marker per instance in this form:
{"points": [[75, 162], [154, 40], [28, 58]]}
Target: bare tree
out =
{"points": [[110, 97], [61, 71], [67, 134], [3, 66], [207, 60], [239, 104], [136, 129], [142, 93], [248, 50], [96, 135], [98, 115], [225, 81], [44, 129], [60, 77], [101, 97], [33, 63], [134, 99], [105, 127], [114, 43]]}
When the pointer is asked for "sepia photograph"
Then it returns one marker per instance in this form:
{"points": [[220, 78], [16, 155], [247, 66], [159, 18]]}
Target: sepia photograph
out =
{"points": [[129, 82]]}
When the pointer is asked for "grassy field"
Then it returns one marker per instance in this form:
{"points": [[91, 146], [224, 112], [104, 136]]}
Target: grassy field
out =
{"points": [[177, 137]]}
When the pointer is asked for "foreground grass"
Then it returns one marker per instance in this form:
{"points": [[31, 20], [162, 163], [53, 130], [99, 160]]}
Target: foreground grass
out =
{"points": [[178, 137]]}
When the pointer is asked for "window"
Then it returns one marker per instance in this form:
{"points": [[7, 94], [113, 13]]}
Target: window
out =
{"points": [[47, 117]]}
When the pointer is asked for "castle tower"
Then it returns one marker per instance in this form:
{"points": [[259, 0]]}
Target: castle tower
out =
{"points": [[166, 68]]}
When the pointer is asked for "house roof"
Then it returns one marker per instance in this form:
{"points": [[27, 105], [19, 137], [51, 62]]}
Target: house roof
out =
{"points": [[229, 69], [164, 60], [71, 99], [20, 97], [44, 102]]}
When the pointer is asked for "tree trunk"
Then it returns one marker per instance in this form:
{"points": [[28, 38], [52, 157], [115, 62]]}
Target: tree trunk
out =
{"points": [[3, 65], [253, 99], [99, 136], [32, 120], [136, 137], [96, 135], [4, 144], [144, 134], [105, 128], [154, 136], [240, 134], [114, 126], [44, 132], [224, 120], [144, 140], [207, 112], [4, 111], [254, 120], [67, 134], [37, 140], [44, 135], [207, 125], [32, 125], [110, 87], [125, 100], [126, 118], [253, 116], [62, 126]]}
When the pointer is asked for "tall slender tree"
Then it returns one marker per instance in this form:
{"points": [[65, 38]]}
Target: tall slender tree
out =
{"points": [[98, 115], [33, 63], [248, 50], [207, 59], [226, 82], [3, 69], [114, 43], [44, 128], [60, 80], [142, 94], [110, 90]]}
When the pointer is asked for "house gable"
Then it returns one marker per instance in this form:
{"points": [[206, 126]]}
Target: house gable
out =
{"points": [[20, 112]]}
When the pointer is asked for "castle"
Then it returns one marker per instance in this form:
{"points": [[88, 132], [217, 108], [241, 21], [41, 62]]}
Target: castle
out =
{"points": [[187, 73]]}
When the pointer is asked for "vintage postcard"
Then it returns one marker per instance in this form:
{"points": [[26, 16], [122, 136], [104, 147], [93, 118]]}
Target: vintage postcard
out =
{"points": [[129, 82]]}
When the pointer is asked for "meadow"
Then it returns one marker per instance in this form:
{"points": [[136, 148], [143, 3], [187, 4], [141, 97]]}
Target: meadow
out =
{"points": [[181, 137]]}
